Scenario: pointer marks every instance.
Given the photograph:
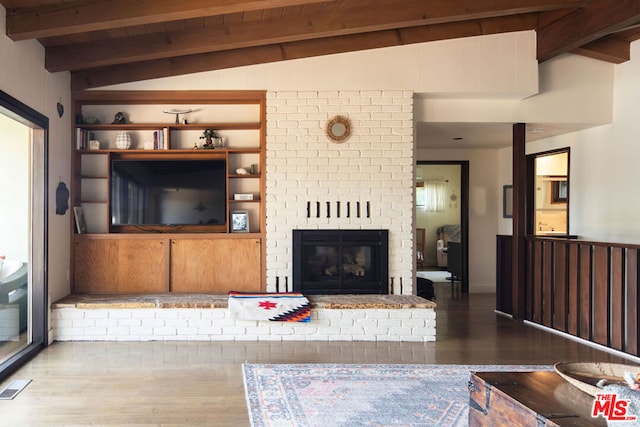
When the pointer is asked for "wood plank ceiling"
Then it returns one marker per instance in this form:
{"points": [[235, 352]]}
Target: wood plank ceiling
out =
{"points": [[104, 42]]}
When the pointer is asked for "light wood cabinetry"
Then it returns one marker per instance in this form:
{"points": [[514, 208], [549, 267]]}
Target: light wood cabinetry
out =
{"points": [[121, 265], [199, 265], [117, 263], [201, 256]]}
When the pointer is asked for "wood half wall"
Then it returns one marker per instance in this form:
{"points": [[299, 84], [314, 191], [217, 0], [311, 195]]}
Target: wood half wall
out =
{"points": [[586, 289]]}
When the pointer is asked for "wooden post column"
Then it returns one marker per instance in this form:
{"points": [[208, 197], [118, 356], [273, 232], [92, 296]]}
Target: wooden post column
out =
{"points": [[519, 221]]}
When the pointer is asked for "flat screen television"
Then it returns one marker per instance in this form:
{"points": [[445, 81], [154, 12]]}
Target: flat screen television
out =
{"points": [[168, 194]]}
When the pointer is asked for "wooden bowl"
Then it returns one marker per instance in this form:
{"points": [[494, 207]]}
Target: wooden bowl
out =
{"points": [[585, 376]]}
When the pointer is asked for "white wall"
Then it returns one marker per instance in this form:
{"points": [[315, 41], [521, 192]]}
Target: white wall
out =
{"points": [[22, 75], [495, 66], [604, 204], [573, 89]]}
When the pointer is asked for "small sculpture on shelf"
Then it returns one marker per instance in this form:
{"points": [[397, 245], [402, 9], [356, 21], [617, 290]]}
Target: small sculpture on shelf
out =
{"points": [[252, 170], [209, 135], [177, 113], [119, 118]]}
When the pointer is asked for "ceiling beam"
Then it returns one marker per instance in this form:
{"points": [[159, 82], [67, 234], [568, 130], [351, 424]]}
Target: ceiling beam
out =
{"points": [[585, 25], [610, 49], [92, 15], [333, 21], [629, 34], [105, 76]]}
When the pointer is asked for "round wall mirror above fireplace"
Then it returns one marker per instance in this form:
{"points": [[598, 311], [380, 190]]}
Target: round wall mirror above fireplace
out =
{"points": [[338, 129]]}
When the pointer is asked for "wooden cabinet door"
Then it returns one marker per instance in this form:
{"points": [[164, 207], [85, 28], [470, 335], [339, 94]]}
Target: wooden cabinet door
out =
{"points": [[121, 265], [215, 265]]}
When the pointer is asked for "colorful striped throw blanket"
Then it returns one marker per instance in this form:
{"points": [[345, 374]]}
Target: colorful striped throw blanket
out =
{"points": [[280, 307]]}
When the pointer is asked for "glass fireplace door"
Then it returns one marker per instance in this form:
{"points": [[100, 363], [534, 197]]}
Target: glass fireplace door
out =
{"points": [[340, 262]]}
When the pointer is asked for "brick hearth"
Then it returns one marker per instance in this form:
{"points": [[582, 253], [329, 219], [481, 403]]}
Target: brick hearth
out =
{"points": [[204, 318]]}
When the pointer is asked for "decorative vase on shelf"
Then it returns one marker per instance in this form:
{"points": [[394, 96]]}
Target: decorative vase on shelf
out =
{"points": [[123, 140]]}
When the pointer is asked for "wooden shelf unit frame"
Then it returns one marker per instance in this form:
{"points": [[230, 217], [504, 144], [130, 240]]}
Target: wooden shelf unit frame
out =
{"points": [[210, 259]]}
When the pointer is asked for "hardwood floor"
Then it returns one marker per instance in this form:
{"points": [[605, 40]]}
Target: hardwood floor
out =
{"points": [[200, 383]]}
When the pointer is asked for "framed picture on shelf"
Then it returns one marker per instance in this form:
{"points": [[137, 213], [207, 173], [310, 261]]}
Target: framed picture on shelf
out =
{"points": [[81, 226], [239, 221]]}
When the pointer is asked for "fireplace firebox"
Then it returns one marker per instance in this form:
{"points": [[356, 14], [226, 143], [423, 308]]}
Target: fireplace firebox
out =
{"points": [[332, 262]]}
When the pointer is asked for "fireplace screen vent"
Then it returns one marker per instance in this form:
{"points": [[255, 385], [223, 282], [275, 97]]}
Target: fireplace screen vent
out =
{"points": [[340, 261]]}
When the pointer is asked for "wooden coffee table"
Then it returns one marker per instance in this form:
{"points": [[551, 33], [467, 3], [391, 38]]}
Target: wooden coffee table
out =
{"points": [[528, 399]]}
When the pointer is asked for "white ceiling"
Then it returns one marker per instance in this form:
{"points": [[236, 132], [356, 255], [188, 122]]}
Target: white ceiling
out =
{"points": [[484, 135]]}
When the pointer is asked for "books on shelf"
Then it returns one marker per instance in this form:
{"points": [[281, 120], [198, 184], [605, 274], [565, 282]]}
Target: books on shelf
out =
{"points": [[160, 138], [83, 138], [81, 226]]}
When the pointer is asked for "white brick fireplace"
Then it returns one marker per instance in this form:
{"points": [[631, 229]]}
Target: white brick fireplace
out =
{"points": [[308, 175]]}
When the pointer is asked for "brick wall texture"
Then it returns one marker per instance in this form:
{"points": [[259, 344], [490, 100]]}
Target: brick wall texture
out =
{"points": [[373, 167], [187, 324]]}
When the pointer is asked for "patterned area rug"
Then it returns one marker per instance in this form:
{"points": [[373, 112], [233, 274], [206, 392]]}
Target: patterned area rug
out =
{"points": [[362, 395]]}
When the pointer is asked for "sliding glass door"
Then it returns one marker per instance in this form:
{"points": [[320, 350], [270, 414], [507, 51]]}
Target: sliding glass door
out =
{"points": [[23, 170]]}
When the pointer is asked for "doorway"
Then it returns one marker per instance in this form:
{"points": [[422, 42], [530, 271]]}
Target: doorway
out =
{"points": [[442, 217], [23, 213]]}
